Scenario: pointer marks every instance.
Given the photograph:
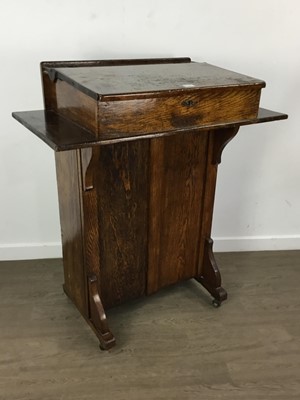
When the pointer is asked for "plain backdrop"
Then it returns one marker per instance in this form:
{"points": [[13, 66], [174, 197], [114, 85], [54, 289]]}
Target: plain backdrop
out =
{"points": [[258, 192]]}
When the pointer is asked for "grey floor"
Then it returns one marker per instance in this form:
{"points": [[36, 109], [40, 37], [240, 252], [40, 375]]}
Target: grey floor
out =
{"points": [[172, 345]]}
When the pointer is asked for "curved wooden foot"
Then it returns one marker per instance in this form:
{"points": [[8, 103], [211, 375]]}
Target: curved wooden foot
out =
{"points": [[97, 316], [210, 276]]}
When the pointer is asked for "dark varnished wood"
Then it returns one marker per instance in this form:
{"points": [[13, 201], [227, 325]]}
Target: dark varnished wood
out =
{"points": [[62, 97], [69, 194], [113, 62], [210, 276], [208, 273], [98, 316], [55, 130], [49, 90], [176, 189], [89, 209], [61, 134], [48, 71], [179, 111], [119, 82], [95, 315], [80, 236], [76, 106], [160, 96], [221, 137], [136, 215], [66, 100], [88, 161], [122, 190]]}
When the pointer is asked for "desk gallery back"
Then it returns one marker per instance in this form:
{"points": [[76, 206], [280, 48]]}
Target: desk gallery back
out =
{"points": [[138, 143]]}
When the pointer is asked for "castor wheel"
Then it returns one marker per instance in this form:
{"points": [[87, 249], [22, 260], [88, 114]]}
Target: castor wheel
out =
{"points": [[216, 303]]}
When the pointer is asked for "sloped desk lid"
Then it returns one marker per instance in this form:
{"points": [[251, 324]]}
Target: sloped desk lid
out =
{"points": [[112, 82]]}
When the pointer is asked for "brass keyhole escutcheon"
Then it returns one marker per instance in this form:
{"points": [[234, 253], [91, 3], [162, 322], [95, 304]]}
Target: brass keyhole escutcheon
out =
{"points": [[187, 103]]}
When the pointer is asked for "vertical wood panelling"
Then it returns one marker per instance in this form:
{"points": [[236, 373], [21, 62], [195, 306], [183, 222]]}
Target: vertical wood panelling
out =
{"points": [[176, 192], [217, 140], [122, 184], [69, 194], [88, 160]]}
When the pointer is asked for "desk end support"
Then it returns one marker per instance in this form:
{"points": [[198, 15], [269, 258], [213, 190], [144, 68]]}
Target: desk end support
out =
{"points": [[210, 276], [98, 317]]}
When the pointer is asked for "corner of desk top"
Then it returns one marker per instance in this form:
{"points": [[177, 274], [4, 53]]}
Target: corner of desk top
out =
{"points": [[24, 117]]}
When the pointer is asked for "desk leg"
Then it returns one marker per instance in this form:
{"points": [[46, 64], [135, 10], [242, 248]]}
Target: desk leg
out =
{"points": [[98, 316], [208, 273], [210, 276], [95, 315]]}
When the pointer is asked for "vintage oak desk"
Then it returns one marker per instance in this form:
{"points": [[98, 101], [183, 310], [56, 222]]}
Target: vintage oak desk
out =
{"points": [[138, 143]]}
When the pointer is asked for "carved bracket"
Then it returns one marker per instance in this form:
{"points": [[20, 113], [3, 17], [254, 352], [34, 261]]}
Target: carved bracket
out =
{"points": [[221, 137], [210, 276], [88, 157], [98, 316]]}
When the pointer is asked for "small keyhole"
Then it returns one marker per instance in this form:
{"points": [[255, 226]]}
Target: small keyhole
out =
{"points": [[187, 103]]}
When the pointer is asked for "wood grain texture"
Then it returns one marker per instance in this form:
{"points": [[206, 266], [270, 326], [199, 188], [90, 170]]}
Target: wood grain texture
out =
{"points": [[135, 219], [217, 140], [122, 190], [207, 107], [49, 90], [124, 82], [88, 160], [210, 276], [89, 206], [55, 130], [161, 96], [176, 189], [172, 345], [61, 134], [69, 193], [76, 106], [98, 316]]}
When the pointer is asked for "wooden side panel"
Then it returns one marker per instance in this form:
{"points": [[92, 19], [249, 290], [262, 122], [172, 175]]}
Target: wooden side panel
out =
{"points": [[69, 194], [69, 102], [49, 90], [217, 140], [122, 187], [207, 106], [89, 159], [76, 106], [176, 195]]}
